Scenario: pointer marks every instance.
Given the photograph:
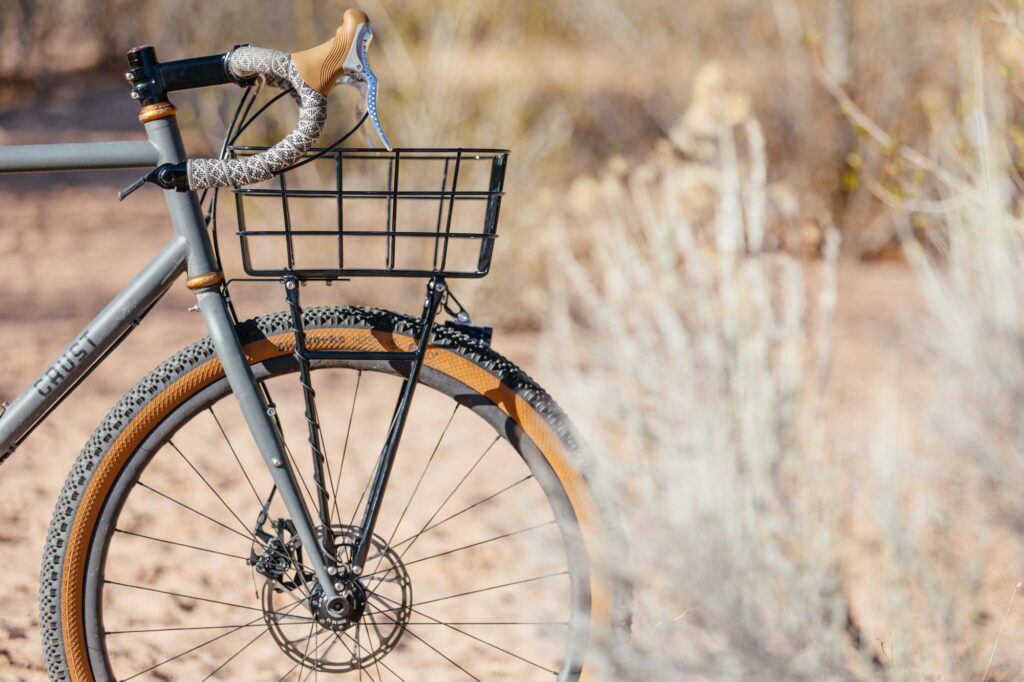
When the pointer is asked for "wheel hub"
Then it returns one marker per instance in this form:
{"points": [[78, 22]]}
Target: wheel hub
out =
{"points": [[343, 611], [349, 632]]}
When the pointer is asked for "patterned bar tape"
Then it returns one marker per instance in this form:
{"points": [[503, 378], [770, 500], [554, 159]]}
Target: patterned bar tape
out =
{"points": [[278, 69]]}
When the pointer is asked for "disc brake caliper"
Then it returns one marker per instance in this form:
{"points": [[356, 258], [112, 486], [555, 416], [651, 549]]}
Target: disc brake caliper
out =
{"points": [[276, 559]]}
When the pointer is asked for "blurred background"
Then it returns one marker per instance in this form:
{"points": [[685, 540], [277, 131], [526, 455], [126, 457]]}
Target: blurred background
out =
{"points": [[768, 254]]}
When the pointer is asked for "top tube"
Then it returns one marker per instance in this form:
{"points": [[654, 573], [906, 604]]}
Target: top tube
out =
{"points": [[78, 156]]}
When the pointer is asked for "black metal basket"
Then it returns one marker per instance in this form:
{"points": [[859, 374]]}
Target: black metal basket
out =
{"points": [[373, 213]]}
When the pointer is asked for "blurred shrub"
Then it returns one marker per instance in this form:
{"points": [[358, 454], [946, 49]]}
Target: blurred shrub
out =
{"points": [[566, 84], [698, 355]]}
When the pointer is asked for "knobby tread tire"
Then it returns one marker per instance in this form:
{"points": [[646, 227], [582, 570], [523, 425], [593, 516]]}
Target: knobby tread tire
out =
{"points": [[121, 415]]}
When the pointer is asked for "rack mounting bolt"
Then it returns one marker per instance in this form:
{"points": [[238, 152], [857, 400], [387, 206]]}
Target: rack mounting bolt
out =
{"points": [[135, 95], [129, 76], [331, 570], [289, 284], [357, 570], [439, 286]]}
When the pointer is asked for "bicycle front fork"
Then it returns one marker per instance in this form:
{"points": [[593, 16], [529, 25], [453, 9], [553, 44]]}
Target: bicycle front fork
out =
{"points": [[259, 416], [260, 420]]}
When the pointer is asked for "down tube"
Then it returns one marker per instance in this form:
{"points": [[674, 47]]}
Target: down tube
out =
{"points": [[113, 323]]}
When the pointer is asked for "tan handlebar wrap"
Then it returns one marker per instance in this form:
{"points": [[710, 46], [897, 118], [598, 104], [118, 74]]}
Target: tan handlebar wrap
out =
{"points": [[321, 66]]}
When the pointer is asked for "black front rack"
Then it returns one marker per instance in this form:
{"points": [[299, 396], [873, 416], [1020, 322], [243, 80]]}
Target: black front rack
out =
{"points": [[372, 213]]}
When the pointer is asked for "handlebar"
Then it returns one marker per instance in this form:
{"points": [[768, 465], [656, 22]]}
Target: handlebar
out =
{"points": [[312, 73], [245, 62]]}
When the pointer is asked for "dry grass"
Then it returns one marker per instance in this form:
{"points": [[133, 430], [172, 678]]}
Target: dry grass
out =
{"points": [[699, 354]]}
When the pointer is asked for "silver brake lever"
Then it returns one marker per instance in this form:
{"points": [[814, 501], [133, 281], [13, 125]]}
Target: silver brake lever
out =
{"points": [[360, 107], [365, 80]]}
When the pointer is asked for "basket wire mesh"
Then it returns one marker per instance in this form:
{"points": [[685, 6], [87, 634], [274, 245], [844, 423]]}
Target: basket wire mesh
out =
{"points": [[373, 213]]}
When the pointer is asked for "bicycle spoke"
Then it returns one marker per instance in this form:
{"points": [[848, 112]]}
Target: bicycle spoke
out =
{"points": [[208, 485], [450, 495], [463, 511], [356, 654], [359, 646], [373, 471], [247, 536], [333, 643], [376, 661], [231, 447], [182, 596], [344, 448], [250, 537], [469, 546], [433, 648], [183, 653], [419, 482], [478, 639], [305, 651], [294, 605], [179, 544], [301, 620], [234, 656], [366, 488], [376, 628], [479, 543], [423, 474], [483, 589], [310, 500], [304, 656], [381, 662], [316, 668], [481, 622], [495, 646]]}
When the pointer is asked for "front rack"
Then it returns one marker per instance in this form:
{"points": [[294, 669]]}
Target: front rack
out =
{"points": [[343, 213]]}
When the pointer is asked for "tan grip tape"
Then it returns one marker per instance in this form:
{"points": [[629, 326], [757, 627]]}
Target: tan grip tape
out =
{"points": [[321, 66]]}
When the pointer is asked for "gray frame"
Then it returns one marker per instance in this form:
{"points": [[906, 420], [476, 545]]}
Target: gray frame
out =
{"points": [[191, 251]]}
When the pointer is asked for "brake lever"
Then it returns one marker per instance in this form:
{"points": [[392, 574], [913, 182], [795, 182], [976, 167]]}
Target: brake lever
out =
{"points": [[360, 107], [365, 80]]}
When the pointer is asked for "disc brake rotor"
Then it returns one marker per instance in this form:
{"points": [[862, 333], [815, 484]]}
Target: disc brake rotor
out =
{"points": [[362, 631]]}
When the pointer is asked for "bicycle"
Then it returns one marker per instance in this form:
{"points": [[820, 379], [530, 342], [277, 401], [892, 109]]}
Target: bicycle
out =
{"points": [[174, 539]]}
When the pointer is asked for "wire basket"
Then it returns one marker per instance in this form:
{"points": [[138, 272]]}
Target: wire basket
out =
{"points": [[343, 213]]}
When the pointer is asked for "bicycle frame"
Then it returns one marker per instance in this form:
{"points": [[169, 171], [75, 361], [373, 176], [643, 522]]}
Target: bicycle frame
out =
{"points": [[191, 251]]}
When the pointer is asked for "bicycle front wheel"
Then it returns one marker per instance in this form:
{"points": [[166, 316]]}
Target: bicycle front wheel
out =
{"points": [[170, 557]]}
